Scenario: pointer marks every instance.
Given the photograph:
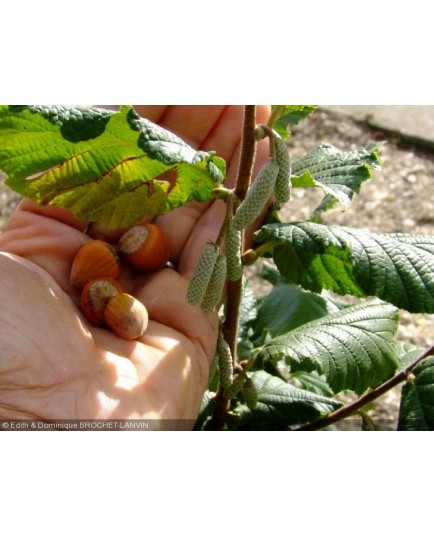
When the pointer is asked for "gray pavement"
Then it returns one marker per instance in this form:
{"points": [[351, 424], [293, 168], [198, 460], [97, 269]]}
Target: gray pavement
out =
{"points": [[415, 122]]}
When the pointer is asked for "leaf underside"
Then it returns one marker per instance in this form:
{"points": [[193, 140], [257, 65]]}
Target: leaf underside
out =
{"points": [[111, 167], [397, 267]]}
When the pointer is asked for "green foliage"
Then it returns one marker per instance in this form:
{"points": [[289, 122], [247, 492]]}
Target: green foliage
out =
{"points": [[417, 403], [339, 174], [287, 307], [110, 167], [311, 381], [398, 268], [280, 404], [354, 348], [285, 116], [206, 410]]}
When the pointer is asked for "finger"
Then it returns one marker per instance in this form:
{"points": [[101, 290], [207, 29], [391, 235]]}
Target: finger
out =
{"points": [[226, 134], [180, 225], [193, 123], [153, 113], [46, 236], [189, 230], [163, 294], [60, 214]]}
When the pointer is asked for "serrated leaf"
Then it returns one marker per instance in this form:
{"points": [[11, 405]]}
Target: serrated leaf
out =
{"points": [[354, 348], [311, 381], [282, 402], [339, 174], [111, 167], [288, 306], [396, 267], [416, 411], [285, 116]]}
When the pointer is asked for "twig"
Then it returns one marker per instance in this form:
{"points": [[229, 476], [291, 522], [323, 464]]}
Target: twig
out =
{"points": [[346, 411], [234, 288]]}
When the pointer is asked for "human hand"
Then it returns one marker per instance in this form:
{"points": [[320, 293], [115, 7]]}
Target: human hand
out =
{"points": [[53, 363]]}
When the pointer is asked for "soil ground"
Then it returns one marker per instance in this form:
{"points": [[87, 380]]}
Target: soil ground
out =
{"points": [[400, 198]]}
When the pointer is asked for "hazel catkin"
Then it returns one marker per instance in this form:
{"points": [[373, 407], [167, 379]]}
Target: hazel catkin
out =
{"points": [[257, 196], [236, 386], [233, 252], [282, 188], [202, 274], [225, 362], [214, 290]]}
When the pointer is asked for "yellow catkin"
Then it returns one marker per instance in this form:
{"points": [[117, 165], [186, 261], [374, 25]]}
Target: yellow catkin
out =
{"points": [[257, 196], [225, 362], [214, 290], [233, 253], [235, 388], [282, 189], [202, 274]]}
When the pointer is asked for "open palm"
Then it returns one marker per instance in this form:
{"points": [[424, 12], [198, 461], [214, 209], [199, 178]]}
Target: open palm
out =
{"points": [[53, 364]]}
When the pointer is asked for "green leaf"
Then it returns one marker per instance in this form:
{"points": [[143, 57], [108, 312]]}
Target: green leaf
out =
{"points": [[311, 381], [287, 307], [407, 353], [283, 403], [397, 267], [248, 308], [206, 411], [354, 348], [111, 167], [284, 116], [417, 401], [271, 274], [339, 174], [247, 315]]}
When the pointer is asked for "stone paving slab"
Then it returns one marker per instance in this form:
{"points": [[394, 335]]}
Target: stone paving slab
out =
{"points": [[414, 122]]}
